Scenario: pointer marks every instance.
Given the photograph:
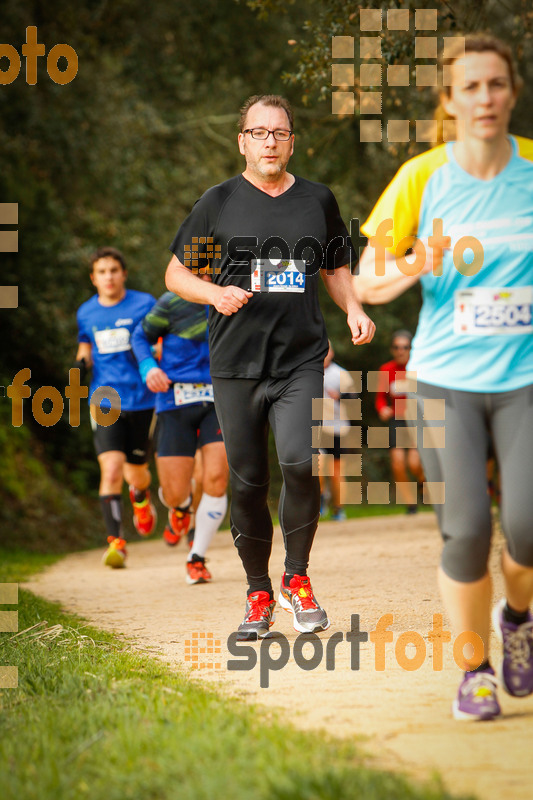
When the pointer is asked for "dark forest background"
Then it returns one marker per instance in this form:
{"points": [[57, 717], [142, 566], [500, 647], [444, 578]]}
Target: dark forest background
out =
{"points": [[119, 155]]}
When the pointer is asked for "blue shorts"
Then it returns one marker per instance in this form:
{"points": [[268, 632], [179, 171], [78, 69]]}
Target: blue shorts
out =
{"points": [[181, 431]]}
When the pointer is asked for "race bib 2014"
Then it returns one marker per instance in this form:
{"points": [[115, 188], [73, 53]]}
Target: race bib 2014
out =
{"points": [[283, 276]]}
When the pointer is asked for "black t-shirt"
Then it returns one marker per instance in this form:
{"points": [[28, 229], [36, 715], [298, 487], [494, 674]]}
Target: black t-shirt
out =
{"points": [[277, 331]]}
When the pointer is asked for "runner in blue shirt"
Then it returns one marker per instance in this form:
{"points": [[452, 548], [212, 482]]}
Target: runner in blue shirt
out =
{"points": [[473, 350], [105, 324], [186, 422]]}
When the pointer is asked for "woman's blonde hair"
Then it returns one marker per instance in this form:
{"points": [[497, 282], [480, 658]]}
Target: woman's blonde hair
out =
{"points": [[456, 47]]}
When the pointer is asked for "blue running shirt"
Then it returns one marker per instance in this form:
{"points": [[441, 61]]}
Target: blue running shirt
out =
{"points": [[108, 329], [474, 333], [185, 352]]}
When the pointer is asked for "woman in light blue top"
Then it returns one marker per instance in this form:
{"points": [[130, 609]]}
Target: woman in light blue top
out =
{"points": [[466, 208]]}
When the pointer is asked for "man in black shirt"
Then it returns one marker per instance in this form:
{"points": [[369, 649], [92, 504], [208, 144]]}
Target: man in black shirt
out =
{"points": [[264, 237]]}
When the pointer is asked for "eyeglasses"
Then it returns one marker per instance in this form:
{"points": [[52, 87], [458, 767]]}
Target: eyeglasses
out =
{"points": [[263, 133], [401, 346]]}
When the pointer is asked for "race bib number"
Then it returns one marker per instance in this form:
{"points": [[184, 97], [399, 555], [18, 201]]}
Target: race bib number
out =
{"points": [[112, 340], [484, 311], [283, 276], [185, 393]]}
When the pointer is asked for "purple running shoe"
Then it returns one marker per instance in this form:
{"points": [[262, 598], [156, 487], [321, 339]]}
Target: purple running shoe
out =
{"points": [[476, 698], [516, 670]]}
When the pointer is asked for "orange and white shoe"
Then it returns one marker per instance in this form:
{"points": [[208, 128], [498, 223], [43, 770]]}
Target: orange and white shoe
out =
{"points": [[144, 513], [115, 555], [179, 520], [197, 571], [171, 538], [178, 524]]}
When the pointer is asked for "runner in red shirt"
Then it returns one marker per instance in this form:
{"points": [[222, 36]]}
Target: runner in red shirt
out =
{"points": [[403, 459]]}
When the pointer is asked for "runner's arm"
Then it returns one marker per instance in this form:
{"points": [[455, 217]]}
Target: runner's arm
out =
{"points": [[375, 289], [341, 289], [226, 299], [85, 353], [147, 331]]}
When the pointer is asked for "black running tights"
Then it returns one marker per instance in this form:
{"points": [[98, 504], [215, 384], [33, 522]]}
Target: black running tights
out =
{"points": [[246, 409]]}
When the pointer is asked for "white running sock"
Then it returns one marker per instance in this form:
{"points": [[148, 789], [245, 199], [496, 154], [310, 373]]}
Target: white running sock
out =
{"points": [[209, 514]]}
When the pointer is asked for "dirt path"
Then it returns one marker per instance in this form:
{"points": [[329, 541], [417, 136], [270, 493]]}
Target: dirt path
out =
{"points": [[369, 567]]}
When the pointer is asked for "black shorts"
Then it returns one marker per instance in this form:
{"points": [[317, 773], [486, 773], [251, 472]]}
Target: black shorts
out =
{"points": [[181, 431], [130, 434]]}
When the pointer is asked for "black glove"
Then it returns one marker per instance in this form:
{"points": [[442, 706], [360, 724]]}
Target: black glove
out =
{"points": [[82, 366]]}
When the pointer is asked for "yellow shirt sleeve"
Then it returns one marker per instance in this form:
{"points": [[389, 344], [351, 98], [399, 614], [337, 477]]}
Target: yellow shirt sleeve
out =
{"points": [[525, 147], [401, 200]]}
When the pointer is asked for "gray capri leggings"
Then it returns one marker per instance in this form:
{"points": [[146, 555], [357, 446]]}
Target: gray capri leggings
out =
{"points": [[472, 419]]}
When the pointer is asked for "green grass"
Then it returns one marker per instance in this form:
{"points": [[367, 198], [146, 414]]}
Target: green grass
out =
{"points": [[361, 511], [94, 718], [17, 565]]}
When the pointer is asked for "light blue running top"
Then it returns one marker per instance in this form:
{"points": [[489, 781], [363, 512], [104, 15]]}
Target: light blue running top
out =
{"points": [[475, 332]]}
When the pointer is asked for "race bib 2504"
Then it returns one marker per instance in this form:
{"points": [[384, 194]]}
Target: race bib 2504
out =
{"points": [[485, 311], [281, 276]]}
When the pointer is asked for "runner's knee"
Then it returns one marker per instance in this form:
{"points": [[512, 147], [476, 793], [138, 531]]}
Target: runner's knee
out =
{"points": [[413, 462], [399, 472], [465, 555], [301, 501], [216, 486], [247, 497], [215, 480], [111, 470], [138, 475], [397, 457], [299, 476], [517, 528]]}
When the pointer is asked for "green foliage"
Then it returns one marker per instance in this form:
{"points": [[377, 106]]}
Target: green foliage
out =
{"points": [[37, 511], [512, 20], [119, 155], [116, 157]]}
